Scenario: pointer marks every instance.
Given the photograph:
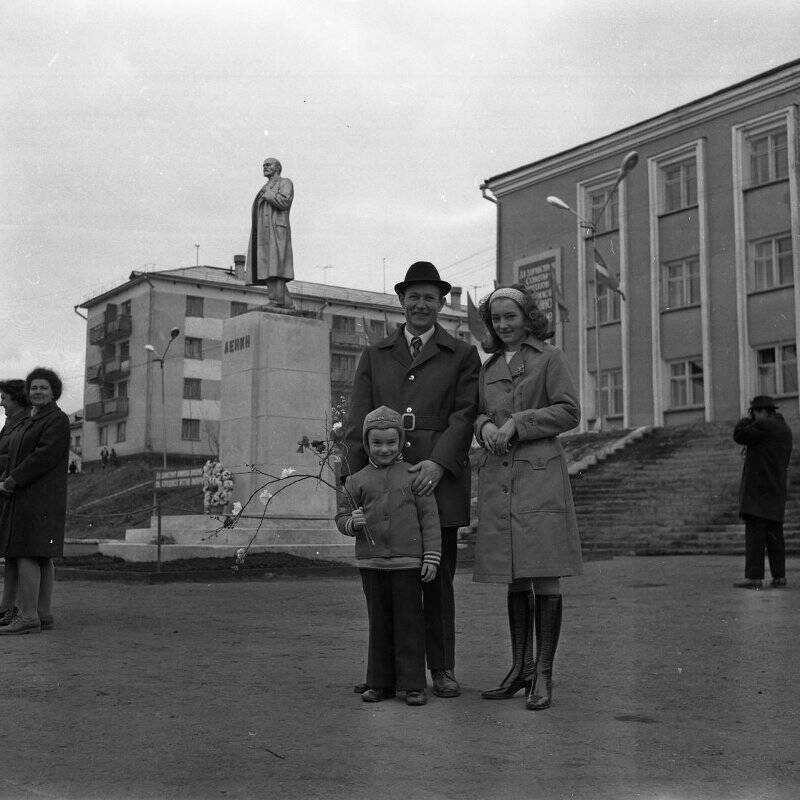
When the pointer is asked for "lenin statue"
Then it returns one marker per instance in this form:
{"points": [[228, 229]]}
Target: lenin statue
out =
{"points": [[269, 252]]}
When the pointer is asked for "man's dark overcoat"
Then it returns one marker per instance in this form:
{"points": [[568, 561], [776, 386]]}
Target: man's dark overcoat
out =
{"points": [[32, 519], [441, 389], [768, 443]]}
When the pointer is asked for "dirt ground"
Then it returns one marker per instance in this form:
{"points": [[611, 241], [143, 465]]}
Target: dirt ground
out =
{"points": [[670, 684]]}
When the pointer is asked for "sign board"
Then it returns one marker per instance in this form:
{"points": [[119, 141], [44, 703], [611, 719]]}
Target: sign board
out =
{"points": [[169, 478], [538, 275]]}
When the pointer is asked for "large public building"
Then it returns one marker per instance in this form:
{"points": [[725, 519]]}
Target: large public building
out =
{"points": [[123, 406], [704, 236]]}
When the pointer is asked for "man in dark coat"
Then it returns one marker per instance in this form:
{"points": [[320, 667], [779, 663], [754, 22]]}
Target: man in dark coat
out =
{"points": [[432, 380], [767, 440]]}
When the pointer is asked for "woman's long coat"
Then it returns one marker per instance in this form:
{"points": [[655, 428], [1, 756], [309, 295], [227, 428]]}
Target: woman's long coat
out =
{"points": [[526, 517], [32, 519]]}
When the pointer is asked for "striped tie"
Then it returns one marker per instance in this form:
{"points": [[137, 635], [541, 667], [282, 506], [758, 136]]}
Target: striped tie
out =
{"points": [[416, 346]]}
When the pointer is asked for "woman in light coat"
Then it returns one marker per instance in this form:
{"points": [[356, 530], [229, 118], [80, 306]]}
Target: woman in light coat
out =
{"points": [[527, 530]]}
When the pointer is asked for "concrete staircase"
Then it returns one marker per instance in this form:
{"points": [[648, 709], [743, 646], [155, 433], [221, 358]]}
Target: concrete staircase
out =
{"points": [[674, 491]]}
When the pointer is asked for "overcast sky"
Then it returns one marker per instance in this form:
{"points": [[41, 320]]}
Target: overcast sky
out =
{"points": [[133, 130]]}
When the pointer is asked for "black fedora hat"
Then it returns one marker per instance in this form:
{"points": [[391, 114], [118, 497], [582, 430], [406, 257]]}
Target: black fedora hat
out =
{"points": [[422, 272], [763, 401]]}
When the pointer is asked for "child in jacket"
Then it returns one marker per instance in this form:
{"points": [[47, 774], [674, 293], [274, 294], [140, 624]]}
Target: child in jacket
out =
{"points": [[398, 547]]}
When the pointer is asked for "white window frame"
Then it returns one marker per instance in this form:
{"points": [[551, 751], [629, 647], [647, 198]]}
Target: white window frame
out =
{"points": [[193, 304], [611, 388], [121, 428], [780, 363], [102, 435], [685, 281], [769, 133], [185, 429], [609, 221], [187, 340], [774, 278], [685, 200], [687, 380], [194, 381]]}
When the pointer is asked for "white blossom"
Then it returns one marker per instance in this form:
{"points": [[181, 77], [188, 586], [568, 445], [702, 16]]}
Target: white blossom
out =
{"points": [[287, 471], [236, 508], [265, 496]]}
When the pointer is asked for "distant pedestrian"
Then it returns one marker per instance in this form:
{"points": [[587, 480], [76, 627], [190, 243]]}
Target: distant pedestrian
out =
{"points": [[767, 441], [398, 549], [104, 456], [73, 467], [527, 529], [113, 458], [34, 501]]}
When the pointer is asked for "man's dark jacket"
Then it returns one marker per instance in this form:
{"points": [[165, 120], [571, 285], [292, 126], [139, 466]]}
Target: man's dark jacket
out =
{"points": [[768, 445], [441, 389]]}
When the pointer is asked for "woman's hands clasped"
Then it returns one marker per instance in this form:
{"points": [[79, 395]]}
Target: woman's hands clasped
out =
{"points": [[497, 439]]}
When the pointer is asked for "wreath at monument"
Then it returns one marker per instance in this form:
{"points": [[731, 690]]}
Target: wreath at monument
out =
{"points": [[217, 487]]}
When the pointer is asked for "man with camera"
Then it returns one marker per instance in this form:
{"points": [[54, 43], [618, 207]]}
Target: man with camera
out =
{"points": [[767, 443]]}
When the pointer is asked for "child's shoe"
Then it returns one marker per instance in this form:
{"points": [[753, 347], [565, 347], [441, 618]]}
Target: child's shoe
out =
{"points": [[376, 695], [414, 698]]}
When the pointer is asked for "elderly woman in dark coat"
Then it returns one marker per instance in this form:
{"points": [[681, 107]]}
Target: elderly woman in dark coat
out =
{"points": [[14, 401], [527, 530], [34, 501]]}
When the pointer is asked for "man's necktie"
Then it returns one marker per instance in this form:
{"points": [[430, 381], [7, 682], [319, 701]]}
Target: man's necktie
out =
{"points": [[416, 346]]}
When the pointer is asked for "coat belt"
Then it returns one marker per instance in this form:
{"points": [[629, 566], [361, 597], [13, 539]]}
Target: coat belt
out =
{"points": [[430, 422]]}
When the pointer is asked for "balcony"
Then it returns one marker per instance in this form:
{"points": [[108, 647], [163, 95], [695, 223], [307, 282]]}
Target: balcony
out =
{"points": [[349, 339], [106, 410], [108, 371], [112, 329]]}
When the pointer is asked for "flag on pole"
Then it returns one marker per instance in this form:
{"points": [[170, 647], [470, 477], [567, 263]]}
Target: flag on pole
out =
{"points": [[477, 327], [559, 297], [373, 336], [604, 276], [388, 327]]}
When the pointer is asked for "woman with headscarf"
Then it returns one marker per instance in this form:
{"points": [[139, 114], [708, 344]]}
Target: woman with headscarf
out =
{"points": [[34, 501], [527, 530], [15, 403]]}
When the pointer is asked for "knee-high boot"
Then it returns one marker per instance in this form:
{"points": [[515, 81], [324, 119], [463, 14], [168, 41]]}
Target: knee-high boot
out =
{"points": [[548, 627], [523, 667]]}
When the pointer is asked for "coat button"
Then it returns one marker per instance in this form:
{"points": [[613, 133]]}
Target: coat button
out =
{"points": [[408, 410], [408, 444], [411, 377], [505, 490]]}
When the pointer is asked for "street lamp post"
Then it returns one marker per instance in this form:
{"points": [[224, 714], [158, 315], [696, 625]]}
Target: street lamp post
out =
{"points": [[589, 234], [173, 334]]}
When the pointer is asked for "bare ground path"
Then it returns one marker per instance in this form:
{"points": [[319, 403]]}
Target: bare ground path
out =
{"points": [[669, 684]]}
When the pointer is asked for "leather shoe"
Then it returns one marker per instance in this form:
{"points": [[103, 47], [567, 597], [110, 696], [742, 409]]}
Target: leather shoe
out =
{"points": [[748, 585], [416, 698], [445, 683], [47, 623], [8, 615], [541, 694], [360, 688], [21, 625], [376, 695], [779, 583]]}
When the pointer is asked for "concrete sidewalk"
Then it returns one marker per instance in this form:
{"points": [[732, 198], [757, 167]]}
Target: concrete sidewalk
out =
{"points": [[669, 683]]}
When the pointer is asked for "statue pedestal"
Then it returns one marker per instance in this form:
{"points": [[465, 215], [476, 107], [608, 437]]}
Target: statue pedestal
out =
{"points": [[275, 390]]}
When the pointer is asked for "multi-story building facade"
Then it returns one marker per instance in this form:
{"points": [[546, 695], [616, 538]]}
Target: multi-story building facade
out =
{"points": [[122, 395], [704, 235]]}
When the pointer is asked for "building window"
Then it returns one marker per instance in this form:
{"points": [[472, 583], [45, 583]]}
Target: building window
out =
{"points": [[377, 328], [609, 308], [124, 350], [771, 263], [77, 443], [769, 156], [679, 185], [611, 392], [190, 430], [122, 389], [192, 347], [343, 367], [682, 283], [777, 369], [686, 383], [194, 306], [343, 324], [605, 219], [125, 308], [120, 431], [191, 388], [238, 308], [102, 435]]}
